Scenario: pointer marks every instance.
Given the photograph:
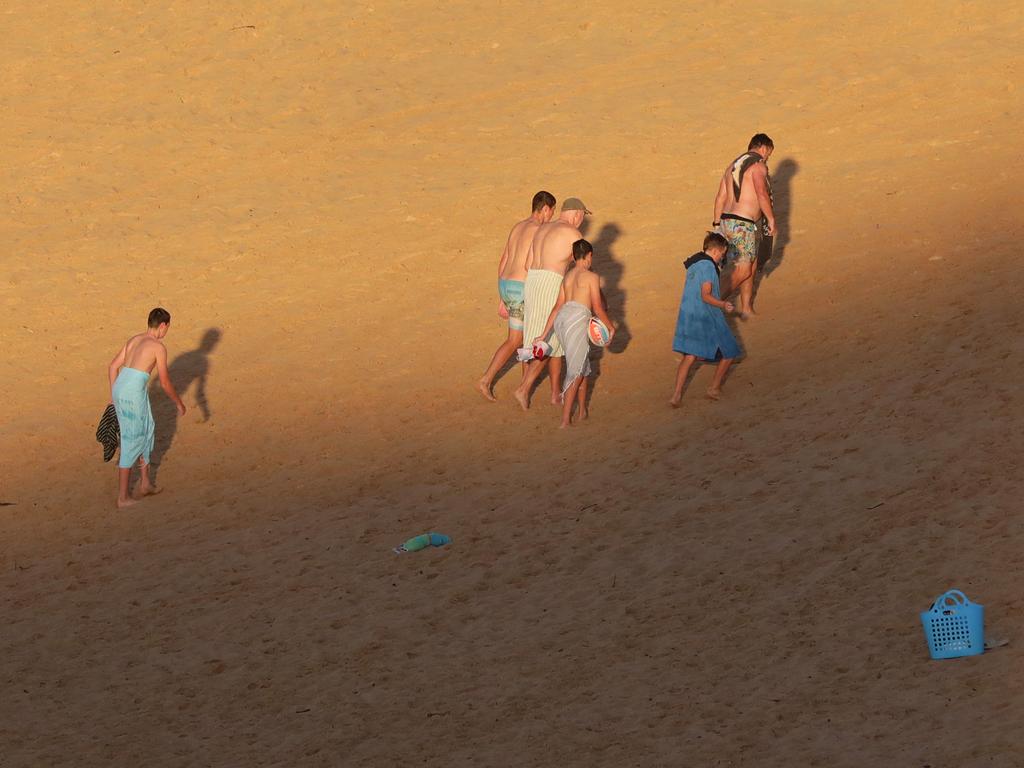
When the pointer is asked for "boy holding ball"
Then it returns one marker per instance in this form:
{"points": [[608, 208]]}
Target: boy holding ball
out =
{"points": [[579, 299]]}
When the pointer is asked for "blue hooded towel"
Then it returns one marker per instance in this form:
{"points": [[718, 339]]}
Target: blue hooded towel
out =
{"points": [[701, 329]]}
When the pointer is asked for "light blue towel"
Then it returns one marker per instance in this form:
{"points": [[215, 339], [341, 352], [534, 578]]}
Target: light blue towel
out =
{"points": [[423, 541], [701, 329], [134, 416]]}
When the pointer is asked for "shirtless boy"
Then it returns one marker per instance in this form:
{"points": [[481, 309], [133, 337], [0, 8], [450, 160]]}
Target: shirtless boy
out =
{"points": [[130, 396], [550, 254], [579, 298], [744, 196], [511, 274]]}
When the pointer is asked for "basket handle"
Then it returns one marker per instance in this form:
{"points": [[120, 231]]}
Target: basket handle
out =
{"points": [[958, 598]]}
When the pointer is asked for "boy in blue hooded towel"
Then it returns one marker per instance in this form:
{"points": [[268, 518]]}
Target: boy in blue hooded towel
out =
{"points": [[701, 330]]}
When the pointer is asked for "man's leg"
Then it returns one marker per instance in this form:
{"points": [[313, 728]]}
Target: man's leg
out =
{"points": [[715, 390], [570, 399], [522, 393], [505, 350], [681, 373], [555, 374], [725, 284], [747, 292], [740, 280], [727, 280], [123, 474]]}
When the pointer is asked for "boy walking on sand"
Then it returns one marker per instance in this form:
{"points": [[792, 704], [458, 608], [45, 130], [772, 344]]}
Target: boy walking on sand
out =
{"points": [[578, 299], [129, 380], [701, 330]]}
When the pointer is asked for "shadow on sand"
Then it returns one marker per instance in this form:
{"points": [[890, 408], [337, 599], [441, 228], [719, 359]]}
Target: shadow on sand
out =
{"points": [[188, 367], [772, 250], [611, 269]]}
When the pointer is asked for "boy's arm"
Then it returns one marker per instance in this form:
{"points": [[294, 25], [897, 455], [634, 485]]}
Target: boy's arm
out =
{"points": [[554, 311], [763, 198], [720, 198], [165, 378], [115, 366], [709, 298]]}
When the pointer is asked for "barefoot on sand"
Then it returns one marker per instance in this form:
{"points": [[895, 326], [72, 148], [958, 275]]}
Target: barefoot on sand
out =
{"points": [[146, 490], [674, 403], [126, 503], [484, 390], [522, 399], [712, 394]]}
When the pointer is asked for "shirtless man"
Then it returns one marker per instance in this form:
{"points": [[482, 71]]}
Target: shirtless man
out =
{"points": [[550, 254], [511, 274], [130, 396], [744, 196], [579, 298]]}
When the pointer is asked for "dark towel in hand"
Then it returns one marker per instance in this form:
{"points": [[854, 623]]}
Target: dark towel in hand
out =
{"points": [[108, 433]]}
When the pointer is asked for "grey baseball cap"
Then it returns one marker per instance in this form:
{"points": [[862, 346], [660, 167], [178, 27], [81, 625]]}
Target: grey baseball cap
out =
{"points": [[574, 204]]}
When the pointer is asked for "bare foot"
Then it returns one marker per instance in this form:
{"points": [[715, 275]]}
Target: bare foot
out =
{"points": [[583, 413], [674, 402], [126, 503], [521, 399], [748, 315], [565, 424], [712, 393], [556, 399], [484, 389], [146, 490]]}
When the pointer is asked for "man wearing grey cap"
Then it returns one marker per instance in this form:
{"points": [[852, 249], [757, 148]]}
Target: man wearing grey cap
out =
{"points": [[549, 256]]}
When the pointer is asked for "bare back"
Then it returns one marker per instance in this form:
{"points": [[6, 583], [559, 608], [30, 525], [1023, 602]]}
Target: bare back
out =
{"points": [[141, 352], [749, 203], [518, 248], [552, 246], [581, 285]]}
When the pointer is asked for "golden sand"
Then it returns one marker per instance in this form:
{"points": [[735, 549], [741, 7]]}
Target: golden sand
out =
{"points": [[328, 186]]}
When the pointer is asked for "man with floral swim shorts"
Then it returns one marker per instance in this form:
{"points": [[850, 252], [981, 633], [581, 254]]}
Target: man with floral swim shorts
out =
{"points": [[511, 284], [744, 197]]}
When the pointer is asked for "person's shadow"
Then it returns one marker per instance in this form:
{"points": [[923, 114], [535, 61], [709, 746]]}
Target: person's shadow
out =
{"points": [[610, 270], [772, 250], [188, 367]]}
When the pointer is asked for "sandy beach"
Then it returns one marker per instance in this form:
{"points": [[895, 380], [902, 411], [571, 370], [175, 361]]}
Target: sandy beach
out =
{"points": [[319, 194]]}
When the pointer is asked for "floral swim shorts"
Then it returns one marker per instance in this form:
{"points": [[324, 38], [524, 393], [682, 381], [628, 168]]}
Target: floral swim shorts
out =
{"points": [[742, 235]]}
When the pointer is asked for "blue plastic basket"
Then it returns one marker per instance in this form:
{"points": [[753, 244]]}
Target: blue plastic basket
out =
{"points": [[954, 626]]}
